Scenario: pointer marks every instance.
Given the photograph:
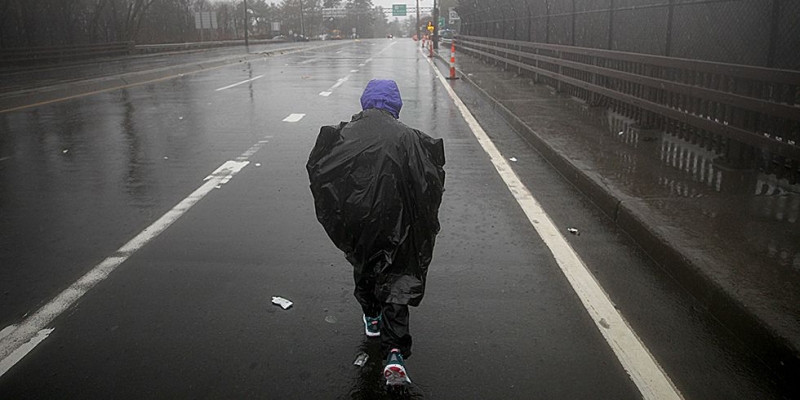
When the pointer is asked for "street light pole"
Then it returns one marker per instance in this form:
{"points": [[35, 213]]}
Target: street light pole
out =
{"points": [[246, 25]]}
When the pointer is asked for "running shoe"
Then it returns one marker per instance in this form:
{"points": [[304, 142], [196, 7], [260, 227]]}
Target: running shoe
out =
{"points": [[395, 370], [372, 326]]}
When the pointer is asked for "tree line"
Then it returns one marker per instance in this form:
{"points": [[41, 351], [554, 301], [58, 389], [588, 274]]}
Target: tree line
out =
{"points": [[35, 23]]}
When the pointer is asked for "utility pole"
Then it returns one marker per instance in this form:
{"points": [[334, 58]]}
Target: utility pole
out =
{"points": [[302, 28], [418, 37], [246, 25], [435, 25]]}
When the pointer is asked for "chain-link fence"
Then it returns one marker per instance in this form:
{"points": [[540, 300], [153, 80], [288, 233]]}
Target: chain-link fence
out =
{"points": [[752, 32]]}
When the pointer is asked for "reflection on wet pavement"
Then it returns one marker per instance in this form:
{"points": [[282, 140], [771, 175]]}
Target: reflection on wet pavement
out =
{"points": [[688, 170], [738, 225]]}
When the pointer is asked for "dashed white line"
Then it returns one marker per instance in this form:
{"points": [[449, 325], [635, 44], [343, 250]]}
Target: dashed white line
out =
{"points": [[17, 340], [339, 83], [238, 83], [352, 71], [294, 117], [647, 375]]}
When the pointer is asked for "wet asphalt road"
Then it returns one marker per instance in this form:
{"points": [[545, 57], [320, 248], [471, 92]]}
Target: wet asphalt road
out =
{"points": [[189, 315]]}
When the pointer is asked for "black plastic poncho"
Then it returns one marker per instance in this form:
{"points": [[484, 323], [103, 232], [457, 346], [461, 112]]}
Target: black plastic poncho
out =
{"points": [[377, 186]]}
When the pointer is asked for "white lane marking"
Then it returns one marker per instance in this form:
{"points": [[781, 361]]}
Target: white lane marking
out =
{"points": [[641, 366], [294, 117], [252, 150], [352, 71], [23, 350], [31, 331], [238, 83], [339, 83], [308, 61], [7, 330]]}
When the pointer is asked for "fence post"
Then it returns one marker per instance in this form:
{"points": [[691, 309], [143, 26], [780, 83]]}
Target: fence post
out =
{"points": [[547, 22], [611, 26], [670, 13], [559, 82], [773, 34], [572, 35], [530, 22]]}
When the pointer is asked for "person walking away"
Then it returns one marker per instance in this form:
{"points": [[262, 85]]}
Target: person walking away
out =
{"points": [[377, 186]]}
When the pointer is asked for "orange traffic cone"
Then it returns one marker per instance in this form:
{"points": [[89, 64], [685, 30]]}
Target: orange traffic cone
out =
{"points": [[453, 61]]}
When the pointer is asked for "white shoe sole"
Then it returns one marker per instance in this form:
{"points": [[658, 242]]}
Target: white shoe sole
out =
{"points": [[395, 375]]}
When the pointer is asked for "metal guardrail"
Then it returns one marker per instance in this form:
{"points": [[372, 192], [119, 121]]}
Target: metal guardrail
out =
{"points": [[169, 47], [41, 55], [750, 116]]}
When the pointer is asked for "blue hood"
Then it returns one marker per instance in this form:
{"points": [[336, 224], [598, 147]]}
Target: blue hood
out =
{"points": [[382, 94]]}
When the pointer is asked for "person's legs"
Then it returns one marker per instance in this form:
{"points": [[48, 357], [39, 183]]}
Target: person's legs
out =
{"points": [[365, 294], [395, 343], [394, 329]]}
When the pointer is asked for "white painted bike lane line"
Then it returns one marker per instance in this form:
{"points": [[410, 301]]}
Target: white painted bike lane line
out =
{"points": [[18, 340], [239, 83], [636, 359]]}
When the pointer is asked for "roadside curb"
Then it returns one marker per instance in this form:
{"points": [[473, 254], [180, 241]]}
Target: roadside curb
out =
{"points": [[631, 216]]}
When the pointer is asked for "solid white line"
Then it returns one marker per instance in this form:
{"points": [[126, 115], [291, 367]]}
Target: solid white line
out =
{"points": [[23, 350], [7, 330], [353, 70], [31, 331], [325, 94], [238, 83], [294, 117], [641, 366]]}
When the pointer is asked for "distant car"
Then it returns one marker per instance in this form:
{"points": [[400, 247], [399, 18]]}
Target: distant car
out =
{"points": [[447, 35], [301, 38], [280, 38], [390, 36]]}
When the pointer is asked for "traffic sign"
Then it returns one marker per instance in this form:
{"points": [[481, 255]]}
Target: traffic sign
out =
{"points": [[398, 10], [453, 15]]}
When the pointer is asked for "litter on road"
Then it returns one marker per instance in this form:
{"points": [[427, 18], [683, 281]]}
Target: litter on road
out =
{"points": [[361, 360], [331, 319], [514, 159], [573, 231], [280, 301]]}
